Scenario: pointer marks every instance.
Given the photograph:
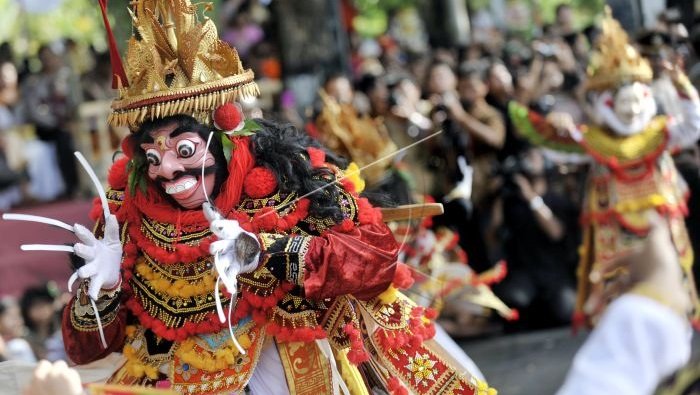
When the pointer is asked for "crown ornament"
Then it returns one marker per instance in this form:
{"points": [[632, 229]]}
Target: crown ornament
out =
{"points": [[175, 64], [614, 61]]}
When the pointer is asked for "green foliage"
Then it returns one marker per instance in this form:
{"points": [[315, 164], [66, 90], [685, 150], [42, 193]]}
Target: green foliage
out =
{"points": [[372, 19], [228, 146], [385, 5], [76, 19], [136, 168], [585, 11], [80, 20]]}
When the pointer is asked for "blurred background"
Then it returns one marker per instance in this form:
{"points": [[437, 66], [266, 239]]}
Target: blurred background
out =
{"points": [[415, 66]]}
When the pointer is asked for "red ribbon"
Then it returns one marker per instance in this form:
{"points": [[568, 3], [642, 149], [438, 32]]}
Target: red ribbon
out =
{"points": [[118, 73]]}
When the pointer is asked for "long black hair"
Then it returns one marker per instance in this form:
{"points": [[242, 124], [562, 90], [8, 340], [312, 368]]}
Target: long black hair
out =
{"points": [[282, 148]]}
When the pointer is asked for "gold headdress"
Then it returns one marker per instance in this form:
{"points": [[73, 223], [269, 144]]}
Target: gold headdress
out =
{"points": [[176, 64], [363, 140], [615, 61]]}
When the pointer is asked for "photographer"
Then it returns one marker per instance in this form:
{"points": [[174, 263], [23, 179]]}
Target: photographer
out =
{"points": [[539, 244], [457, 139]]}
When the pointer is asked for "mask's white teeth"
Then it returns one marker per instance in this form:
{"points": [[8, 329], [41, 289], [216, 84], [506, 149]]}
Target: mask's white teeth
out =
{"points": [[181, 187]]}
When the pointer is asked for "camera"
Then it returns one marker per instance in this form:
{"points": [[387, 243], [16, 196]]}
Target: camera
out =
{"points": [[509, 168]]}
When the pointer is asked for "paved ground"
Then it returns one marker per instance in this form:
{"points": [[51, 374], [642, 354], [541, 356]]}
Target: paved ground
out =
{"points": [[525, 364], [530, 363]]}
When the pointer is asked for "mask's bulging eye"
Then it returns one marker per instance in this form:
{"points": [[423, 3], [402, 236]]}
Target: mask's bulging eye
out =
{"points": [[185, 148], [153, 157]]}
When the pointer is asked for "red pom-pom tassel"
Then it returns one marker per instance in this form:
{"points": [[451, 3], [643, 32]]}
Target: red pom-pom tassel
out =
{"points": [[260, 182], [228, 117], [395, 387], [357, 353], [403, 278]]}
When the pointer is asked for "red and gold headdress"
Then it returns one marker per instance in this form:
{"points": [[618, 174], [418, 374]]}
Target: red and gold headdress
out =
{"points": [[175, 64]]}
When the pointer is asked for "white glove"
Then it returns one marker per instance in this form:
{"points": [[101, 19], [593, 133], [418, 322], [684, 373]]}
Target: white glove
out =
{"points": [[102, 256], [236, 251], [463, 189]]}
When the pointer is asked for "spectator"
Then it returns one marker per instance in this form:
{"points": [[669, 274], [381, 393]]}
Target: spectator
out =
{"points": [[11, 331], [41, 317], [501, 92], [539, 243], [564, 20], [10, 193], [49, 100], [377, 93], [484, 124]]}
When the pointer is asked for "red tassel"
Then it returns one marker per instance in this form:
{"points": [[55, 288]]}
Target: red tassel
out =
{"points": [[96, 210], [357, 353], [403, 278], [316, 156], [118, 73], [395, 387]]}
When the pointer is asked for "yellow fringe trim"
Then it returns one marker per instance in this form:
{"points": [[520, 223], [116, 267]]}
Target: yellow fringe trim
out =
{"points": [[627, 148], [134, 366], [482, 388], [198, 105], [215, 361], [635, 205], [180, 288]]}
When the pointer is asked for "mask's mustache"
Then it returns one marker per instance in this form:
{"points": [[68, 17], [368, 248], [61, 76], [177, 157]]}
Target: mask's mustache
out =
{"points": [[196, 172]]}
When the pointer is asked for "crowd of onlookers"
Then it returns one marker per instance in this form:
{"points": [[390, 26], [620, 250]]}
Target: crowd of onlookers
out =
{"points": [[39, 102], [465, 92], [30, 327], [415, 89]]}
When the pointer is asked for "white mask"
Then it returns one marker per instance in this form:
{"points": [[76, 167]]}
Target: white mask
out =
{"points": [[629, 111]]}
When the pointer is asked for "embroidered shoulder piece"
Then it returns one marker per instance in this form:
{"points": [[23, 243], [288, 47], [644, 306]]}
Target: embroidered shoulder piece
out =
{"points": [[280, 202], [317, 225], [167, 235]]}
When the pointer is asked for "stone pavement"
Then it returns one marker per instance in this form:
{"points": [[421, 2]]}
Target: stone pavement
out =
{"points": [[533, 363]]}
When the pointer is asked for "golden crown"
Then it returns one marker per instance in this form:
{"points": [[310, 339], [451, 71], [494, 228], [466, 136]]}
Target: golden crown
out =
{"points": [[614, 61], [176, 64]]}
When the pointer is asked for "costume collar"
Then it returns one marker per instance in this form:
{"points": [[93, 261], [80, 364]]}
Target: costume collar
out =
{"points": [[606, 146]]}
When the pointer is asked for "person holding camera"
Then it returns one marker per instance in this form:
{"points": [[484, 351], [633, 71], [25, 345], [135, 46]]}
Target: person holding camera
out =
{"points": [[538, 226], [462, 131]]}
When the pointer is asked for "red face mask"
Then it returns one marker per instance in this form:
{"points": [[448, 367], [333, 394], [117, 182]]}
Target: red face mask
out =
{"points": [[175, 165]]}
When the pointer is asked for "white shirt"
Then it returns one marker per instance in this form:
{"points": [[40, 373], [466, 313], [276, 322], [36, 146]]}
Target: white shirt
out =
{"points": [[637, 344]]}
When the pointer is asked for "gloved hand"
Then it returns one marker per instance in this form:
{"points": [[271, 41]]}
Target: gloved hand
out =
{"points": [[463, 189], [102, 256], [236, 251]]}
